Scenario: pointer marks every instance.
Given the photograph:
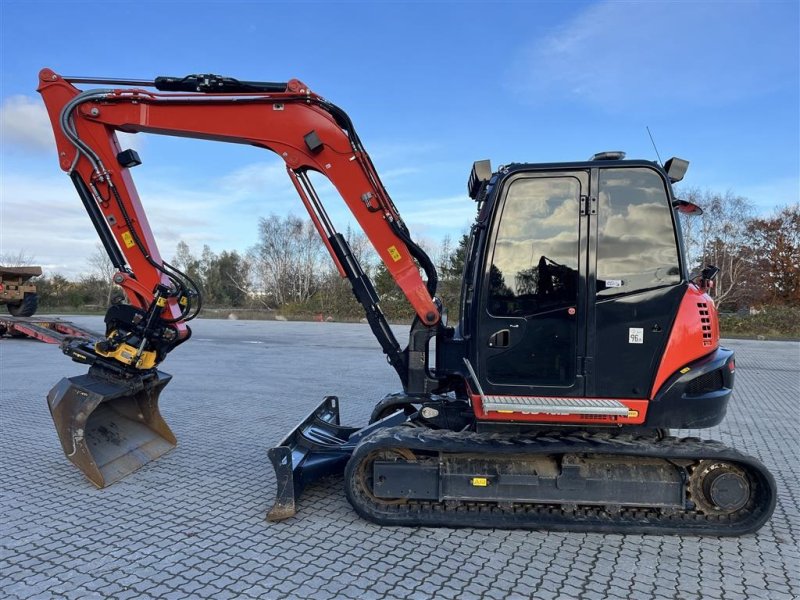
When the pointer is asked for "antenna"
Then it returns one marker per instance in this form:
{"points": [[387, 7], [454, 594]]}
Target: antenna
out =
{"points": [[652, 141]]}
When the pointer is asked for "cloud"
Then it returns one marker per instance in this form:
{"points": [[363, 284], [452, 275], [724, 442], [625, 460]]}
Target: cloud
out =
{"points": [[622, 56], [43, 217], [398, 173], [448, 215], [259, 178], [24, 122], [25, 125]]}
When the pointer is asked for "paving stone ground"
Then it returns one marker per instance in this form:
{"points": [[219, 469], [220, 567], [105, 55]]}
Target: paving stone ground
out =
{"points": [[191, 525]]}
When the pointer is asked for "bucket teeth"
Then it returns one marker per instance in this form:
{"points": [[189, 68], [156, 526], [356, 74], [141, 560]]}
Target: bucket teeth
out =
{"points": [[108, 426]]}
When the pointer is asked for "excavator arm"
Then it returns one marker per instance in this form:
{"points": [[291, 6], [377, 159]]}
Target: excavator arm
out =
{"points": [[306, 131], [108, 420]]}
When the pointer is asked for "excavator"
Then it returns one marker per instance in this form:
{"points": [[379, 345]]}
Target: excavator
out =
{"points": [[581, 338]]}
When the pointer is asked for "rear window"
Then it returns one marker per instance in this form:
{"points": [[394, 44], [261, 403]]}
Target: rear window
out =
{"points": [[637, 248]]}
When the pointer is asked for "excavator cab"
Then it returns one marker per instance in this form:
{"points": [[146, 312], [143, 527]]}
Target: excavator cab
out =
{"points": [[579, 273]]}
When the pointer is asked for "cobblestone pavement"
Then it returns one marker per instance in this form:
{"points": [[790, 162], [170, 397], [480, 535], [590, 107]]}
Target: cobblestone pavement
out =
{"points": [[191, 525]]}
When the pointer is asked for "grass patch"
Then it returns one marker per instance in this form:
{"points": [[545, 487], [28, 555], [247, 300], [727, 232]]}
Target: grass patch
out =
{"points": [[774, 322]]}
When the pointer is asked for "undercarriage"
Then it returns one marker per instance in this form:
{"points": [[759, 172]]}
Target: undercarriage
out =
{"points": [[401, 471]]}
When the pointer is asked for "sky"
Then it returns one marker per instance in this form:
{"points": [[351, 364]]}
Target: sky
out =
{"points": [[431, 87]]}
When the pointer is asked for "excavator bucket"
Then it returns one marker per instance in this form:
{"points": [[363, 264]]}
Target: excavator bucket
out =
{"points": [[109, 426]]}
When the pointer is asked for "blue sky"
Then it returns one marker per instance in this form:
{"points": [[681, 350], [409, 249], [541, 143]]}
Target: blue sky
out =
{"points": [[431, 87]]}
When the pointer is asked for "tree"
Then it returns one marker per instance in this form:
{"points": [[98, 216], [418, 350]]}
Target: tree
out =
{"points": [[719, 238], [57, 290], [18, 259], [775, 247], [227, 279], [287, 260], [187, 262], [451, 268], [335, 294], [101, 276], [223, 279]]}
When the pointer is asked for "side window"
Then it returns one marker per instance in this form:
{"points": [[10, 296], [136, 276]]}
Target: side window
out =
{"points": [[636, 247], [535, 261]]}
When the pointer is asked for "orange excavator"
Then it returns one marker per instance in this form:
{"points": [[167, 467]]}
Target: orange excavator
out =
{"points": [[581, 340]]}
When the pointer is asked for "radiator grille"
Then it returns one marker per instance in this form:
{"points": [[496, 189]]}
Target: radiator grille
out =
{"points": [[708, 382], [705, 322]]}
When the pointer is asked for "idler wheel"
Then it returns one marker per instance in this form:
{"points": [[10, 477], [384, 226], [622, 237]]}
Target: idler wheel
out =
{"points": [[364, 479], [719, 488]]}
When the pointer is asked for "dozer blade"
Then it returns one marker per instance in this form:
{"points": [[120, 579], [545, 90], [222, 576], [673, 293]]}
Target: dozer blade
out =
{"points": [[314, 449], [109, 426], [319, 446]]}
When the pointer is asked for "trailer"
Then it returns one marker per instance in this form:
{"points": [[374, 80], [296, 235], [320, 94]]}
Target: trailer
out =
{"points": [[49, 330]]}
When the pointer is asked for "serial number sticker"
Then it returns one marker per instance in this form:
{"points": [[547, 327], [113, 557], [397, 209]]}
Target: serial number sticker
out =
{"points": [[614, 283], [636, 335], [394, 253], [128, 239]]}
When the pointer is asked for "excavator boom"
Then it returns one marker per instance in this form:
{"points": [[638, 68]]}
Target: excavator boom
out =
{"points": [[307, 132], [108, 420]]}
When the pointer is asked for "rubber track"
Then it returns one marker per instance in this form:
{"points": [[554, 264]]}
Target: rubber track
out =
{"points": [[553, 517]]}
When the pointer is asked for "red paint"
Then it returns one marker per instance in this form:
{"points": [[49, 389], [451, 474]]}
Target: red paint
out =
{"points": [[695, 333], [255, 122]]}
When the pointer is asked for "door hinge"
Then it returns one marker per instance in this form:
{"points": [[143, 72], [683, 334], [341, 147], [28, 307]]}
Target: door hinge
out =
{"points": [[588, 366], [588, 205]]}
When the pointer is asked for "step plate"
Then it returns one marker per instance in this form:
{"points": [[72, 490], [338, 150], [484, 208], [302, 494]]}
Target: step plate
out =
{"points": [[554, 406]]}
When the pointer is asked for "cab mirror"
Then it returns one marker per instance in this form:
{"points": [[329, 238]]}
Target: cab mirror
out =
{"points": [[687, 208]]}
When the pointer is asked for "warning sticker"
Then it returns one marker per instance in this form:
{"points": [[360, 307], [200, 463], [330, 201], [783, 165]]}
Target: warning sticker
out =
{"points": [[394, 253], [636, 335], [128, 239]]}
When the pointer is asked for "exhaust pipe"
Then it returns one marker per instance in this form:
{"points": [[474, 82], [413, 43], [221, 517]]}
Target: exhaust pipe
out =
{"points": [[110, 426]]}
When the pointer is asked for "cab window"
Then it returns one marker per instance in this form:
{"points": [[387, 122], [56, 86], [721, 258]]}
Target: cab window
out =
{"points": [[636, 245], [534, 266]]}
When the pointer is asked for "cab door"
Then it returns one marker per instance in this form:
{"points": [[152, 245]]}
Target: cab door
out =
{"points": [[531, 328]]}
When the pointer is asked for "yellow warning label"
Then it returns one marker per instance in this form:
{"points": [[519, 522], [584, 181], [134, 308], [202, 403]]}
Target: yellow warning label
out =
{"points": [[184, 301], [685, 370], [480, 481], [394, 253], [128, 239], [632, 414], [161, 302]]}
